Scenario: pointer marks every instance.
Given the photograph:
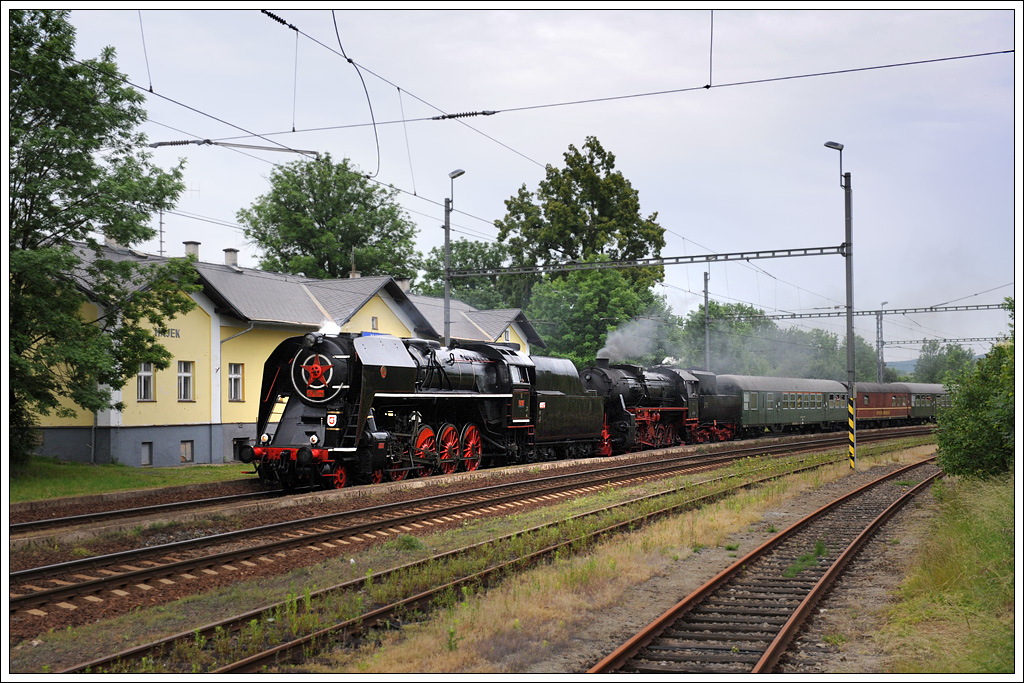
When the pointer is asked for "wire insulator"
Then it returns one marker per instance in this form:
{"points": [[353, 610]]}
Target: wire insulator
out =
{"points": [[486, 112], [279, 20]]}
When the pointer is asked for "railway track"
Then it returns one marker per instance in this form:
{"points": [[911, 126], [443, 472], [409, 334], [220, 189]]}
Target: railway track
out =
{"points": [[743, 619], [461, 569], [128, 514], [36, 592], [124, 514]]}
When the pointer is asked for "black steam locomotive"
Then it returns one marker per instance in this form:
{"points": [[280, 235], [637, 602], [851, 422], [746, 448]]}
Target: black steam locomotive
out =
{"points": [[343, 409]]}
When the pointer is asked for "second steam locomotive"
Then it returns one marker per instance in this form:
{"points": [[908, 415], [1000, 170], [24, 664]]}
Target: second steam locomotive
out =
{"points": [[341, 409]]}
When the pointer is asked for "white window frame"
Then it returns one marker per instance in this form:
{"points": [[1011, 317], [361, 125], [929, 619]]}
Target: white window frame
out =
{"points": [[146, 381], [186, 381], [236, 382]]}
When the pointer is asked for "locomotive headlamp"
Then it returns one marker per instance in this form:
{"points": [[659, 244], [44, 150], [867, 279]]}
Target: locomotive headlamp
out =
{"points": [[264, 438], [311, 339], [313, 440]]}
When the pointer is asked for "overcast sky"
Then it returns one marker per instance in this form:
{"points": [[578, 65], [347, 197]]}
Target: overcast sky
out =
{"points": [[933, 148]]}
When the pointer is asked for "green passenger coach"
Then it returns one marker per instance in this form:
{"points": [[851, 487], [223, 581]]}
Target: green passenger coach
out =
{"points": [[785, 404]]}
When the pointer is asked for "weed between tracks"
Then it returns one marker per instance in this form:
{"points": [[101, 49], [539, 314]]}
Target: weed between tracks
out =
{"points": [[503, 629]]}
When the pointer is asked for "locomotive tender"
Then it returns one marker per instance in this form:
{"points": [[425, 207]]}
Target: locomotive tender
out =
{"points": [[341, 409]]}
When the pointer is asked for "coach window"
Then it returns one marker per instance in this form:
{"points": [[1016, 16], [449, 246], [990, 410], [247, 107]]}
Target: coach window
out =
{"points": [[753, 400], [145, 382], [769, 400], [185, 392], [235, 375], [865, 399], [746, 400]]}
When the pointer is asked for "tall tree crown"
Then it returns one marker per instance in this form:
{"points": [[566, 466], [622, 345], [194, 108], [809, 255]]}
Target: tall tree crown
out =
{"points": [[319, 216], [78, 167]]}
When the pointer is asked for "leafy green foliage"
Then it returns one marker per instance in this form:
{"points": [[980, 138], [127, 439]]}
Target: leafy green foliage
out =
{"points": [[480, 292], [319, 215], [976, 431], [938, 363], [582, 211], [78, 166], [575, 312]]}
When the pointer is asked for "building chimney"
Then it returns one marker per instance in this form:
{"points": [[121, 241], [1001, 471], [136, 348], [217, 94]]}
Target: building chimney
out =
{"points": [[353, 272], [404, 283], [192, 249], [231, 257]]}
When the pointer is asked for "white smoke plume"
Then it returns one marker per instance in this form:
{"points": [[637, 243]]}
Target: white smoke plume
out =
{"points": [[329, 327], [631, 340]]}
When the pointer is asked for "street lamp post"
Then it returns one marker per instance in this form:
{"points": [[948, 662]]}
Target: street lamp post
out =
{"points": [[847, 185], [880, 343], [448, 257]]}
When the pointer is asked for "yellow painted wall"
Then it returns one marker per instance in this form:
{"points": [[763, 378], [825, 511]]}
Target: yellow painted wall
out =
{"points": [[515, 338], [188, 339], [251, 351], [387, 321], [84, 418]]}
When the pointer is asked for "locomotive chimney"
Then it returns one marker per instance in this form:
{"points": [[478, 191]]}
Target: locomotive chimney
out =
{"points": [[602, 362]]}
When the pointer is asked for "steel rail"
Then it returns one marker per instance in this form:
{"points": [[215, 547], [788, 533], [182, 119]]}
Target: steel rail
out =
{"points": [[37, 524], [467, 500], [628, 650], [380, 614]]}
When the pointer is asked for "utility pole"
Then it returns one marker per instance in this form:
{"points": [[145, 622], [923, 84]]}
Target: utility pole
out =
{"points": [[880, 343], [707, 328]]}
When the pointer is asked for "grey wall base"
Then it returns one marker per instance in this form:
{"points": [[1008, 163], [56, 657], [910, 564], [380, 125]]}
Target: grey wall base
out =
{"points": [[211, 444]]}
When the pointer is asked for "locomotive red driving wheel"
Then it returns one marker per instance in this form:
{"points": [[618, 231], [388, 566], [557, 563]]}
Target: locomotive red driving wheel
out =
{"points": [[448, 449], [424, 446], [400, 470], [338, 476], [472, 447]]}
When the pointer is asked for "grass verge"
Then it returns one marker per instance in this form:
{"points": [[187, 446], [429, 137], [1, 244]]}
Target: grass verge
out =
{"points": [[46, 478], [956, 614]]}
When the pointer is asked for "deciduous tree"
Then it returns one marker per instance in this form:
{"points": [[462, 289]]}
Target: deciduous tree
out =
{"points": [[584, 210], [319, 215], [78, 168], [486, 292], [977, 430]]}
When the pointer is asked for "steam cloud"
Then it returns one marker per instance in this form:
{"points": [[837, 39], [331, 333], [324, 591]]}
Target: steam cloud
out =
{"points": [[329, 327], [632, 340]]}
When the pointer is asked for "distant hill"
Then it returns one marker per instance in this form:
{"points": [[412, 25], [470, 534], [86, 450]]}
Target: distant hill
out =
{"points": [[905, 367]]}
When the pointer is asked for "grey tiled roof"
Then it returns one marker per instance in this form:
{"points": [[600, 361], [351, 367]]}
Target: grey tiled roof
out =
{"points": [[472, 324], [258, 296], [277, 298]]}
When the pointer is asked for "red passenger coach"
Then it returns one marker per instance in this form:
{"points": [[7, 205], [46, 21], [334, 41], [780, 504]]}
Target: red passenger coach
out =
{"points": [[882, 405]]}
